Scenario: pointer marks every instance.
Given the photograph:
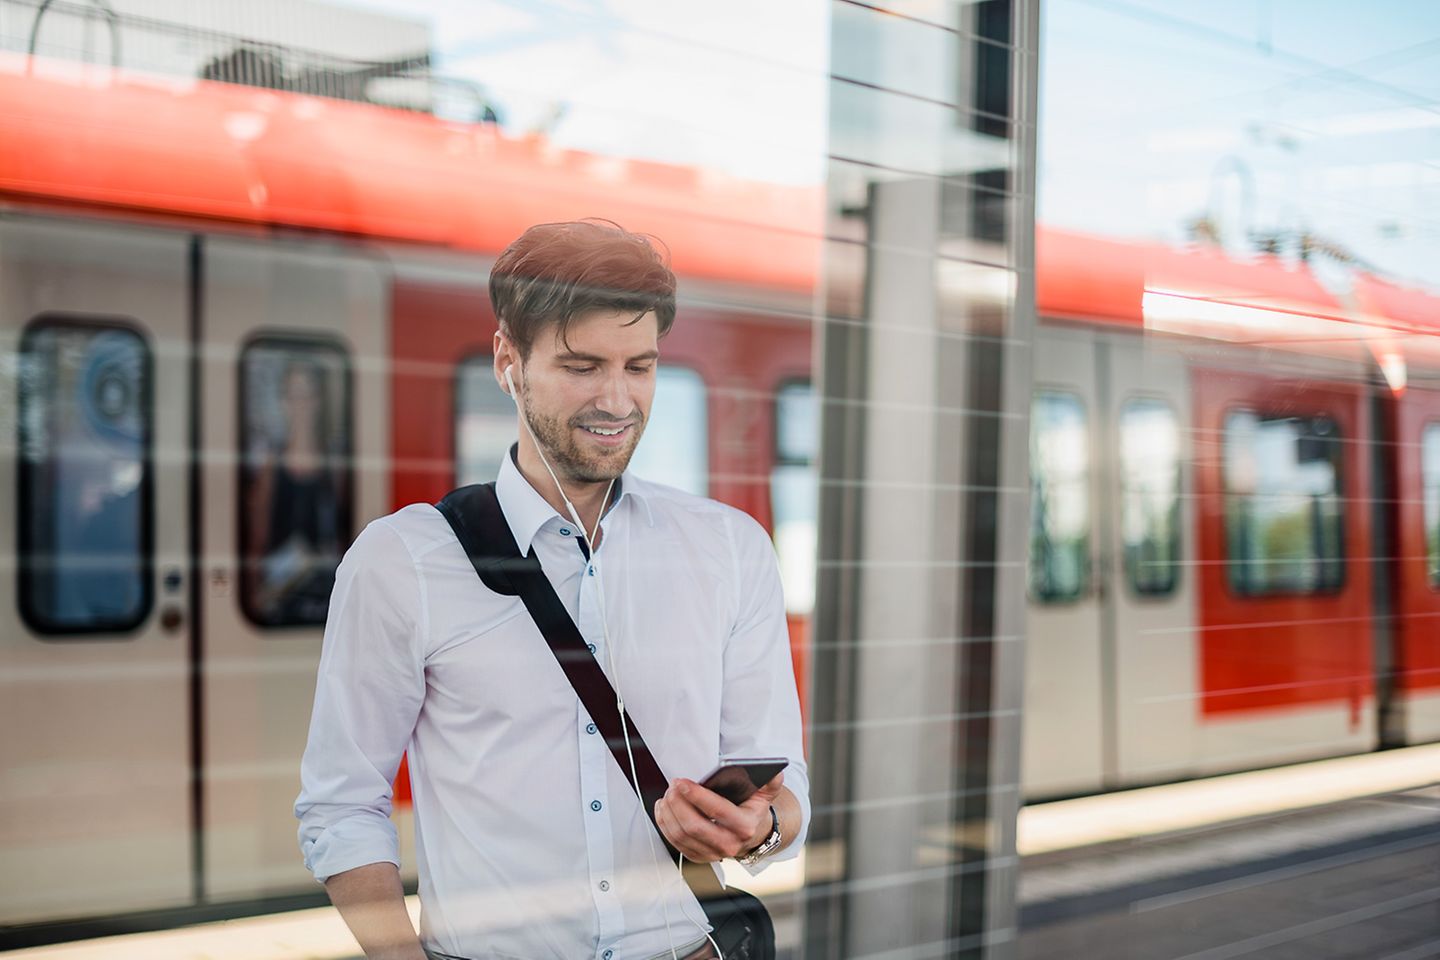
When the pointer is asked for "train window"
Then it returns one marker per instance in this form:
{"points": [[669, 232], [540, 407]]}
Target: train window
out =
{"points": [[795, 492], [1059, 498], [676, 444], [484, 422], [295, 482], [1283, 511], [85, 424], [1150, 495], [1430, 483]]}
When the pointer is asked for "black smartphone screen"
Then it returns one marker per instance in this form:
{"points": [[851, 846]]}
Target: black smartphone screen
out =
{"points": [[737, 780]]}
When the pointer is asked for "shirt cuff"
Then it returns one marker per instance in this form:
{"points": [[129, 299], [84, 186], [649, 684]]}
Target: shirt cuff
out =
{"points": [[350, 843]]}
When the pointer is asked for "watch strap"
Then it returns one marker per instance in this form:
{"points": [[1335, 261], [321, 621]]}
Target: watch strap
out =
{"points": [[768, 844]]}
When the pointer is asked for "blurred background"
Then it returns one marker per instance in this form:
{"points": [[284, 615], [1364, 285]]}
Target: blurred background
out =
{"points": [[1080, 356]]}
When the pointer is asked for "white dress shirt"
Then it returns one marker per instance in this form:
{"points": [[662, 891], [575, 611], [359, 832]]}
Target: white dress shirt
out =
{"points": [[530, 841]]}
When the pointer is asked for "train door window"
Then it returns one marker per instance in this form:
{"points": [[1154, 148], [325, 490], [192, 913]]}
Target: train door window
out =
{"points": [[1150, 495], [1059, 498], [1430, 483], [676, 444], [295, 477], [85, 427], [1283, 511], [484, 422], [795, 493]]}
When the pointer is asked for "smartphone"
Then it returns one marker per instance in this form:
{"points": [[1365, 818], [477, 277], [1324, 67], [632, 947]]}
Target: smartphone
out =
{"points": [[736, 780]]}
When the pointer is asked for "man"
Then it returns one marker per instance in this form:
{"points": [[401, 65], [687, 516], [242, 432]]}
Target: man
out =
{"points": [[530, 841]]}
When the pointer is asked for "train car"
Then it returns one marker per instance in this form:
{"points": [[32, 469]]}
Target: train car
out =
{"points": [[1235, 517], [237, 325]]}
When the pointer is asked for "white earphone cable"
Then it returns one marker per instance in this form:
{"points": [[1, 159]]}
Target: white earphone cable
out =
{"points": [[594, 562]]}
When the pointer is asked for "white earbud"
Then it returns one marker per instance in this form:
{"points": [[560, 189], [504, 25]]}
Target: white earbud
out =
{"points": [[510, 382]]}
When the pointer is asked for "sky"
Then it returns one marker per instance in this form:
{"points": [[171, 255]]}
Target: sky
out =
{"points": [[1265, 115], [1261, 115], [738, 85]]}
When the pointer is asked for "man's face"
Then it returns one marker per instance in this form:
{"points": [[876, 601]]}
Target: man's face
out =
{"points": [[588, 398]]}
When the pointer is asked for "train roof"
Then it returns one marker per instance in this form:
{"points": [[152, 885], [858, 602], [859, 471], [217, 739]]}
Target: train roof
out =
{"points": [[101, 138], [242, 155], [1200, 291]]}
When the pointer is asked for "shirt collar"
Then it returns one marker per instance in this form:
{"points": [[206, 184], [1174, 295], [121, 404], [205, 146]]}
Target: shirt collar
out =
{"points": [[526, 511]]}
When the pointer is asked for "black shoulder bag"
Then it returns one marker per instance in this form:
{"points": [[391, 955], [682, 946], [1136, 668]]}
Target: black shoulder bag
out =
{"points": [[742, 927]]}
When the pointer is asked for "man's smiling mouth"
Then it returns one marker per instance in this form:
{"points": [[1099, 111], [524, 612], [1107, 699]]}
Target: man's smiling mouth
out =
{"points": [[606, 431]]}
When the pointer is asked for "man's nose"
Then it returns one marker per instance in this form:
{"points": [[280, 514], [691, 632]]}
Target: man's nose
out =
{"points": [[615, 398]]}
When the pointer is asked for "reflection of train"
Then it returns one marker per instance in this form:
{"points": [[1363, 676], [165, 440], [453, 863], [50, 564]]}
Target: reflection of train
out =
{"points": [[227, 304]]}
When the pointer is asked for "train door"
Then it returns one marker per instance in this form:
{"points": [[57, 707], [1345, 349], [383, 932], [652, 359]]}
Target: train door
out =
{"points": [[1063, 726], [95, 621], [1417, 568], [1283, 541], [296, 441], [1149, 665]]}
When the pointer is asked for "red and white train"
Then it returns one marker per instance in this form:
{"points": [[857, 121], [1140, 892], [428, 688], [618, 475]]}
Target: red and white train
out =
{"points": [[236, 324]]}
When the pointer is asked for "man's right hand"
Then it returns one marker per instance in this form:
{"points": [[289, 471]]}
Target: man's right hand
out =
{"points": [[371, 900]]}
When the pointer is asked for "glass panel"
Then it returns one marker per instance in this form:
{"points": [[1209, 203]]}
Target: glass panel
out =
{"points": [[485, 426], [794, 493], [1430, 484], [1059, 498], [1150, 495], [674, 449], [85, 433], [1282, 504], [295, 478]]}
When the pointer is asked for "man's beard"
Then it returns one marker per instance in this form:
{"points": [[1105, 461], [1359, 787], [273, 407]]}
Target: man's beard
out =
{"points": [[559, 445]]}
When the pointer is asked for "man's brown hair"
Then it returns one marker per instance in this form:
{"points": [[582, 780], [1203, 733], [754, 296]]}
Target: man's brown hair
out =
{"points": [[558, 271]]}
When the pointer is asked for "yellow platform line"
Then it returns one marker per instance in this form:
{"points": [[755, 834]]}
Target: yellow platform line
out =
{"points": [[1066, 824]]}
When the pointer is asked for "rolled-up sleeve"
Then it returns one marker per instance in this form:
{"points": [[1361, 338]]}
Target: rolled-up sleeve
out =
{"points": [[368, 693], [760, 708]]}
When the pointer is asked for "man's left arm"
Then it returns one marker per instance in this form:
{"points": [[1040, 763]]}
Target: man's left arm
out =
{"points": [[759, 717]]}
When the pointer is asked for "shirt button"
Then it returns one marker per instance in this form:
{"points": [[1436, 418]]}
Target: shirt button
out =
{"points": [[595, 805], [564, 531], [607, 955], [592, 571], [589, 728], [591, 646], [604, 885]]}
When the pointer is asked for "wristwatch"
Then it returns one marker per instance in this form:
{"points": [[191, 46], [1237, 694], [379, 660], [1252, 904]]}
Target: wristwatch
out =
{"points": [[768, 845]]}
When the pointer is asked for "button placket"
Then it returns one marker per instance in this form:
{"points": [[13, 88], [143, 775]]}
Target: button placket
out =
{"points": [[598, 825], [595, 762]]}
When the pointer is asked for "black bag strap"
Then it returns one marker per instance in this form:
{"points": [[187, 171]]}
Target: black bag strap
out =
{"points": [[474, 514]]}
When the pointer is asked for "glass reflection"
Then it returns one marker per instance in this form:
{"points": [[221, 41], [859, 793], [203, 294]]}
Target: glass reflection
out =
{"points": [[794, 495], [1060, 497], [295, 482], [84, 438], [674, 449], [484, 422], [1282, 504], [1150, 495]]}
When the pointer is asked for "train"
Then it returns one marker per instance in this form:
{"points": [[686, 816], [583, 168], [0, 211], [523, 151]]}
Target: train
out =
{"points": [[236, 324]]}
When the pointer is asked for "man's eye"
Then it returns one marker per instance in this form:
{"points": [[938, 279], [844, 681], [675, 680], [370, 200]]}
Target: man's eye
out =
{"points": [[639, 369], [580, 369]]}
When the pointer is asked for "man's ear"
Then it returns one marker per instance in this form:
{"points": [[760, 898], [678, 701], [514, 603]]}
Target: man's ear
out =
{"points": [[505, 356]]}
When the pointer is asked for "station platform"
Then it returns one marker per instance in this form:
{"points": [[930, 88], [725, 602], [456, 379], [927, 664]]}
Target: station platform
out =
{"points": [[1080, 855]]}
